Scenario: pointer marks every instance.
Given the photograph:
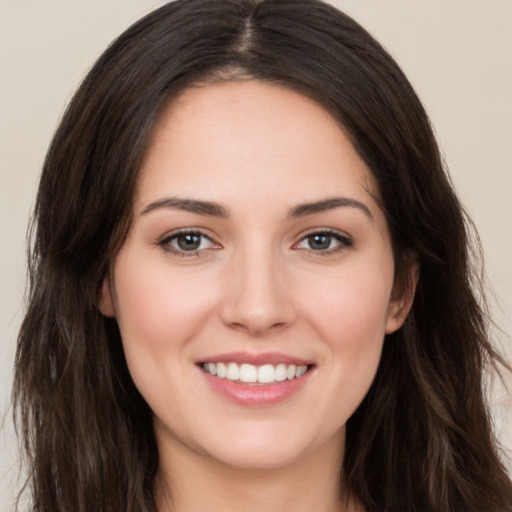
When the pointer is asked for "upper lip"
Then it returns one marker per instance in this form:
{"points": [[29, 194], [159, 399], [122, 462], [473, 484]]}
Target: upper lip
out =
{"points": [[256, 359]]}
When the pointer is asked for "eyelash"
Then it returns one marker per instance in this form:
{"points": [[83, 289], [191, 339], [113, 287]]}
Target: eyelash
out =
{"points": [[344, 242], [165, 243]]}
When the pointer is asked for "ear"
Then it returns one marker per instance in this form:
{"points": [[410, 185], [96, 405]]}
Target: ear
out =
{"points": [[106, 300], [402, 295]]}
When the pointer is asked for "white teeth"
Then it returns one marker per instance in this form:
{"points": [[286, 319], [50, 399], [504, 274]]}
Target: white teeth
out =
{"points": [[301, 370], [290, 372], [280, 372], [221, 370], [265, 374], [248, 373], [233, 372]]}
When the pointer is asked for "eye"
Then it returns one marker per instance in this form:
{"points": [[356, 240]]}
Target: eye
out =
{"points": [[326, 242], [191, 242]]}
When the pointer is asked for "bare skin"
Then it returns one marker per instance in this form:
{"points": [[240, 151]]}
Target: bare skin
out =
{"points": [[256, 241], [311, 484]]}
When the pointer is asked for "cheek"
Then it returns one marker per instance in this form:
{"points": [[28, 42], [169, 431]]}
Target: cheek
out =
{"points": [[350, 316], [353, 305], [159, 313], [158, 309]]}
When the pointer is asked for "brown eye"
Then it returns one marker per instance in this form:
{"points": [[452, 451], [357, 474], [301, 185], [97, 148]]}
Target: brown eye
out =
{"points": [[189, 242], [320, 241], [192, 242], [324, 242]]}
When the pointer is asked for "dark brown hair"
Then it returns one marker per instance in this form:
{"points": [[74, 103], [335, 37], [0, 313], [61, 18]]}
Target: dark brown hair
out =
{"points": [[422, 439]]}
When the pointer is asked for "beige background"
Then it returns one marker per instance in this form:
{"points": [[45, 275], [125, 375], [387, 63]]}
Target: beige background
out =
{"points": [[457, 53]]}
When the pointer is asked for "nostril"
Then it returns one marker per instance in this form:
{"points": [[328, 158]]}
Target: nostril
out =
{"points": [[256, 309], [257, 328]]}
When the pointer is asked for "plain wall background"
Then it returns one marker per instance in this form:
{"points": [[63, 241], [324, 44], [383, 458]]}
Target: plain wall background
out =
{"points": [[457, 54]]}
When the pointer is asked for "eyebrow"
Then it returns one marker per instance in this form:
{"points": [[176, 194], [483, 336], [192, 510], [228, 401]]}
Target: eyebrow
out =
{"points": [[328, 204], [188, 205], [210, 208]]}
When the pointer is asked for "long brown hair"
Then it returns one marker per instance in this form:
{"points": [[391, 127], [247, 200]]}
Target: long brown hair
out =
{"points": [[422, 438]]}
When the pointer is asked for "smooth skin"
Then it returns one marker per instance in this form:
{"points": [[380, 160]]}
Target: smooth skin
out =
{"points": [[255, 271]]}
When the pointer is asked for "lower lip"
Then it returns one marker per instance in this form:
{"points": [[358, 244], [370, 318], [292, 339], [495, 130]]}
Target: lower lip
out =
{"points": [[257, 395]]}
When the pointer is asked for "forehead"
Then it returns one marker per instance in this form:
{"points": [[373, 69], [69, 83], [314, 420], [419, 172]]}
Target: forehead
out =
{"points": [[250, 137]]}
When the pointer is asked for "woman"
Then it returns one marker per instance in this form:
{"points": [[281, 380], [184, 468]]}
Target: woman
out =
{"points": [[250, 271]]}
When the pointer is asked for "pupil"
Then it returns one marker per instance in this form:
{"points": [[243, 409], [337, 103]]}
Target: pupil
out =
{"points": [[189, 242], [319, 242]]}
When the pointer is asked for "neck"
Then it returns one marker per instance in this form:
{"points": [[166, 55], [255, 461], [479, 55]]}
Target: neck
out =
{"points": [[188, 481]]}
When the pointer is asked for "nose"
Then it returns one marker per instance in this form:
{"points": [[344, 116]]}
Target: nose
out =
{"points": [[257, 298]]}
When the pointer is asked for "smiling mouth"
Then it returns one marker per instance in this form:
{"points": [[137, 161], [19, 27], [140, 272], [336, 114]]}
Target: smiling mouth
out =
{"points": [[251, 374]]}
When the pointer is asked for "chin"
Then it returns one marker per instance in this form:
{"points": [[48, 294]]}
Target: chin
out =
{"points": [[272, 448], [269, 457]]}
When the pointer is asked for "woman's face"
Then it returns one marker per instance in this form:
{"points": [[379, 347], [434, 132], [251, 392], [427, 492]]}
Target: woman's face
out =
{"points": [[257, 253]]}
